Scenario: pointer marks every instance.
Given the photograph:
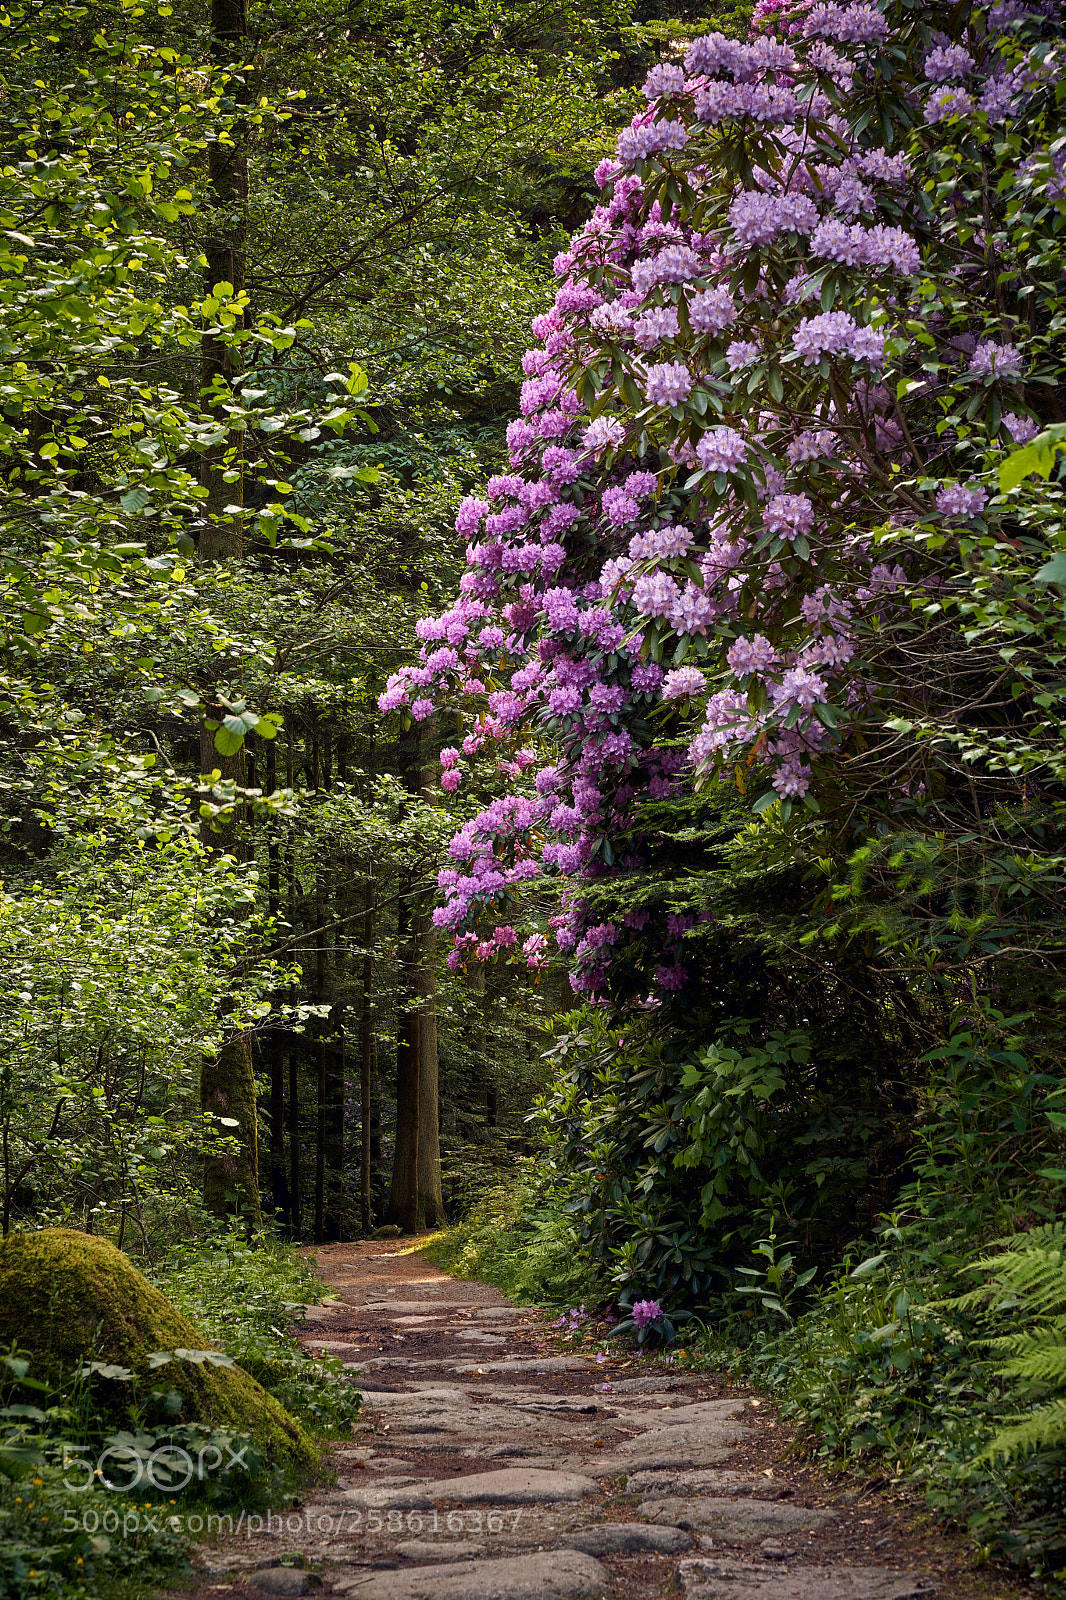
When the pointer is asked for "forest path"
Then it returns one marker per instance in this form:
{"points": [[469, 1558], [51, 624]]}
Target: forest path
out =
{"points": [[487, 1467]]}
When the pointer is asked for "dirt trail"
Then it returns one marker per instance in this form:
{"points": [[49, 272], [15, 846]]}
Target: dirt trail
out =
{"points": [[490, 1468]]}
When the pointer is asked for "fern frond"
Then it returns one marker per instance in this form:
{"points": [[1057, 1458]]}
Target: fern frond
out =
{"points": [[1034, 1269], [1039, 1356], [1046, 1426]]}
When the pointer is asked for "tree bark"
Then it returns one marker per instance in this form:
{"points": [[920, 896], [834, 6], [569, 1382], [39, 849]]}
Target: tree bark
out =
{"points": [[295, 1219], [227, 1085], [366, 1041], [430, 1195], [227, 1089], [403, 1194], [279, 1188], [224, 254], [336, 1073], [322, 1025]]}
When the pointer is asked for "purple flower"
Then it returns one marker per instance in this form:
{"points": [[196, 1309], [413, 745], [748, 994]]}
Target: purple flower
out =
{"points": [[605, 433], [721, 450], [683, 681], [1021, 429], [664, 79], [636, 144], [997, 360], [853, 24], [741, 353], [790, 514], [960, 500], [646, 1312], [676, 264], [757, 217], [658, 324], [947, 103], [837, 333], [668, 383], [751, 655], [712, 310], [948, 63]]}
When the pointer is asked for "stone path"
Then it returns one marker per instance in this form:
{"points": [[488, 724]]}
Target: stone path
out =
{"points": [[488, 1469]]}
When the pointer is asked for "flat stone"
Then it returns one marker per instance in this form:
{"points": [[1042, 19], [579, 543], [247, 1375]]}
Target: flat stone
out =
{"points": [[433, 1549], [629, 1538], [678, 1481], [281, 1580], [540, 1364], [209, 1564], [545, 1575], [645, 1385], [692, 1436], [703, 1414], [512, 1486], [685, 1448], [738, 1521], [394, 1308], [704, 1578]]}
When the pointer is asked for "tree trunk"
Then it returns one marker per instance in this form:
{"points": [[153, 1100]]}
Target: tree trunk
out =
{"points": [[403, 1194], [227, 1081], [294, 1145], [279, 1188], [227, 1089], [295, 1219], [224, 255], [227, 1085], [336, 1073], [320, 1134], [322, 1025], [366, 1040], [430, 1196], [375, 1107]]}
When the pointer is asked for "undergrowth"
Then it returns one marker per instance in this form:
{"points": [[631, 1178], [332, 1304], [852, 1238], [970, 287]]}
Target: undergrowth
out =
{"points": [[518, 1239], [248, 1299], [86, 1510]]}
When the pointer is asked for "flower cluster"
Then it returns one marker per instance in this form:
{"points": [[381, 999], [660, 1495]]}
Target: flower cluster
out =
{"points": [[645, 1312], [712, 422]]}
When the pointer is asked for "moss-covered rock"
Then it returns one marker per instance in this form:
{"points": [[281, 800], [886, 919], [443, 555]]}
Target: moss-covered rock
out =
{"points": [[66, 1296]]}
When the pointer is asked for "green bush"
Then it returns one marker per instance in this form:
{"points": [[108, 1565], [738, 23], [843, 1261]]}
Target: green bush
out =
{"points": [[520, 1239], [249, 1297]]}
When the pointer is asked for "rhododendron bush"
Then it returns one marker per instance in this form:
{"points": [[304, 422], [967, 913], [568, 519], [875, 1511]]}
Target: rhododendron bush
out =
{"points": [[753, 530]]}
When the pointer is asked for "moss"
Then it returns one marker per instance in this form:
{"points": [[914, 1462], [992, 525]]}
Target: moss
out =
{"points": [[65, 1296]]}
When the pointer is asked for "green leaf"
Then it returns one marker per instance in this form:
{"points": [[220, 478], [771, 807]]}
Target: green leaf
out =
{"points": [[227, 743], [134, 500], [1053, 571], [871, 1264], [35, 622]]}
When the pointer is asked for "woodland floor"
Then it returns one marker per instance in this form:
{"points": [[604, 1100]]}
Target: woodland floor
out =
{"points": [[490, 1465]]}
